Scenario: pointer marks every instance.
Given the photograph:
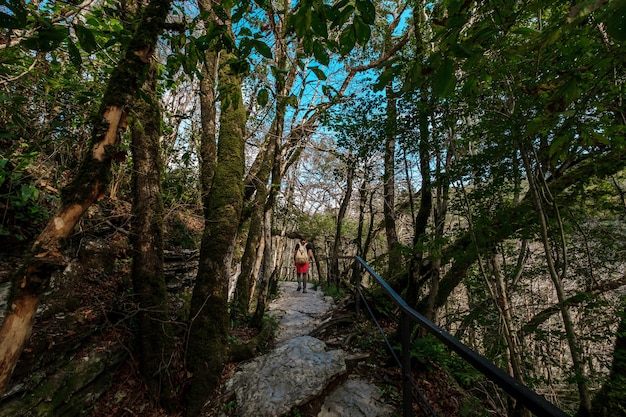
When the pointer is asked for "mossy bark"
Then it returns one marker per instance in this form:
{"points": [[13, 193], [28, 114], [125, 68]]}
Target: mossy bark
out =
{"points": [[263, 168], [209, 323], [154, 338], [610, 401], [89, 184], [208, 83]]}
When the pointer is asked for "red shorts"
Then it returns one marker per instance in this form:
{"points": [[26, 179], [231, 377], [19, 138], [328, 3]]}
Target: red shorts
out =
{"points": [[302, 269]]}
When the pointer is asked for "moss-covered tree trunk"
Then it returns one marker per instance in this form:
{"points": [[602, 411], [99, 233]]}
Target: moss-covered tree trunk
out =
{"points": [[90, 184], [610, 401], [209, 319], [154, 338], [208, 83]]}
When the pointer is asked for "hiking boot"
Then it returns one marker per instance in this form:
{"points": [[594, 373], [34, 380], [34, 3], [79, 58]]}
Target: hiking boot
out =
{"points": [[299, 288]]}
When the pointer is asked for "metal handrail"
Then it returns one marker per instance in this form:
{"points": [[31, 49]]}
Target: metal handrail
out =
{"points": [[527, 397]]}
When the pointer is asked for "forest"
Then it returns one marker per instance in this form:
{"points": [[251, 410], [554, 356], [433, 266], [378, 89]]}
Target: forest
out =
{"points": [[472, 152]]}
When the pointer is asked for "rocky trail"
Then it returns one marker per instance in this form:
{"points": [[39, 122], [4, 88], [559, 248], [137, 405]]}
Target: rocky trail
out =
{"points": [[304, 375]]}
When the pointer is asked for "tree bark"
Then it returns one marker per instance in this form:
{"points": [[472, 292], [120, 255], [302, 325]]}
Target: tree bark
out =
{"points": [[610, 401], [340, 216], [90, 184], [154, 340], [389, 189], [209, 326]]}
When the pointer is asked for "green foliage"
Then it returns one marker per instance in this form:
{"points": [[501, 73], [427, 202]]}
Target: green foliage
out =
{"points": [[428, 350], [331, 290], [19, 198]]}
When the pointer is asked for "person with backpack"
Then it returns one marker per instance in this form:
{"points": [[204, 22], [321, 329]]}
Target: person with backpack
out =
{"points": [[302, 254]]}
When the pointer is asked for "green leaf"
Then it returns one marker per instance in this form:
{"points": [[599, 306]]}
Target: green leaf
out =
{"points": [[48, 39], [319, 26], [263, 97], [444, 79], [320, 53], [384, 78], [363, 31], [343, 16], [616, 21], [292, 101], [302, 21], [262, 48], [9, 22], [74, 53], [86, 38], [368, 11], [347, 40], [319, 73], [28, 193]]}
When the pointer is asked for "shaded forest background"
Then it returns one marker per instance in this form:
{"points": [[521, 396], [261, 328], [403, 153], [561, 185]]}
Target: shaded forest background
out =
{"points": [[472, 152]]}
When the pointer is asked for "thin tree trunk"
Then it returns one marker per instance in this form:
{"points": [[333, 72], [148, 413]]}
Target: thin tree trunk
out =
{"points": [[340, 216], [389, 189], [90, 184], [154, 340], [267, 270], [423, 214], [520, 216], [502, 302], [557, 280]]}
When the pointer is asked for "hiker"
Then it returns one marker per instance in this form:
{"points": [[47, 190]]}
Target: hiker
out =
{"points": [[302, 254]]}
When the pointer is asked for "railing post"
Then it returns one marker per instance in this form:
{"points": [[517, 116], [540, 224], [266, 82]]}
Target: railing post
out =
{"points": [[407, 386], [357, 293]]}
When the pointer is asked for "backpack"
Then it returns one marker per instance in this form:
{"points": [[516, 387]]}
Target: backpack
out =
{"points": [[301, 256]]}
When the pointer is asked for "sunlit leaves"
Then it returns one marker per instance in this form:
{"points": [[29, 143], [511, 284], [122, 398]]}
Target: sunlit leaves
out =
{"points": [[313, 21]]}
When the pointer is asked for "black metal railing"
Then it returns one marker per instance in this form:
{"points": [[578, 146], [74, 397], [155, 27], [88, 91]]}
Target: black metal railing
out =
{"points": [[528, 398]]}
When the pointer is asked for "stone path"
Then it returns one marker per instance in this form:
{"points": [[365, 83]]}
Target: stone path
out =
{"points": [[301, 367]]}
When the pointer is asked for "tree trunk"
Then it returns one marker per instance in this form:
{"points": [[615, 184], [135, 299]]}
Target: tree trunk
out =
{"points": [[263, 167], [90, 184], [340, 216], [389, 189], [209, 326], [557, 280], [423, 215], [512, 345], [208, 84], [610, 401], [267, 271], [154, 341]]}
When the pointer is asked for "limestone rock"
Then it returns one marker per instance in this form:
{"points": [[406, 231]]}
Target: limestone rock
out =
{"points": [[355, 398], [291, 375]]}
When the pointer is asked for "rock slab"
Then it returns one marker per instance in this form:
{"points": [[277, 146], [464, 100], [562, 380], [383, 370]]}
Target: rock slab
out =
{"points": [[355, 398], [294, 373]]}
